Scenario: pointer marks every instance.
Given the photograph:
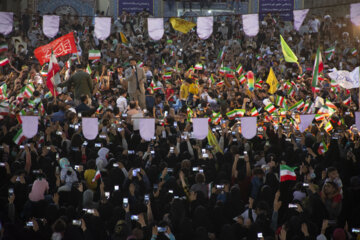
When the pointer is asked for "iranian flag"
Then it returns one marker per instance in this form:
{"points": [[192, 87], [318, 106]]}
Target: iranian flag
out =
{"points": [[347, 101], [270, 108], [242, 79], [297, 105], [94, 54], [4, 108], [198, 66], [216, 118], [330, 104], [254, 112], [219, 84], [287, 173], [319, 117], [3, 47], [235, 113], [4, 61], [53, 76], [28, 90], [239, 69], [167, 75], [329, 53], [19, 137], [68, 63], [97, 176], [318, 67], [328, 127], [279, 101], [140, 64], [322, 148], [88, 69], [3, 90], [354, 52], [221, 54]]}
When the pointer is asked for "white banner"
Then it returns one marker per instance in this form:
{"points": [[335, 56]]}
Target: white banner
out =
{"points": [[51, 25], [147, 128], [200, 127], [299, 16], [344, 78], [204, 27], [30, 125], [102, 27], [251, 24], [156, 28], [305, 121], [355, 13], [6, 22], [90, 128], [248, 127]]}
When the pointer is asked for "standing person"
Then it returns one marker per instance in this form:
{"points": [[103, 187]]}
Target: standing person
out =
{"points": [[136, 78], [82, 82]]}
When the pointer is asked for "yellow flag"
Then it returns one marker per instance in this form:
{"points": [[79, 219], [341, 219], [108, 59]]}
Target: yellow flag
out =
{"points": [[272, 81], [181, 25], [123, 38], [213, 141]]}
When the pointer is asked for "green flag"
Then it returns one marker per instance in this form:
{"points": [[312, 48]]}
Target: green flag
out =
{"points": [[289, 55]]}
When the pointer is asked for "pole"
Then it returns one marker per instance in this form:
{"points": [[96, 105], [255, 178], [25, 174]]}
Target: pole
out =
{"points": [[78, 58]]}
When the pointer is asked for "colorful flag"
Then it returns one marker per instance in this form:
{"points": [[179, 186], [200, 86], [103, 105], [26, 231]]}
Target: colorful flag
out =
{"points": [[88, 69], [307, 105], [3, 90], [167, 75], [287, 173], [219, 84], [251, 80], [19, 137], [212, 80], [354, 52], [97, 176], [330, 104], [4, 108], [254, 112], [140, 64], [328, 127], [272, 81], [322, 148], [94, 54], [270, 108], [182, 25], [221, 55], [53, 76], [235, 113], [163, 61], [3, 47], [242, 79], [216, 118], [239, 69], [198, 66], [60, 47], [41, 109], [289, 55], [347, 101], [297, 105], [123, 38], [28, 90], [4, 61], [189, 113], [316, 70], [280, 101], [68, 63]]}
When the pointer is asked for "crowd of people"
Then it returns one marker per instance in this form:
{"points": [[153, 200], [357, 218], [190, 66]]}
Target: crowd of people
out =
{"points": [[60, 185]]}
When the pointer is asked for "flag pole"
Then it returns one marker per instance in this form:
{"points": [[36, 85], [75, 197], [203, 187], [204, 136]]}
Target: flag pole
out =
{"points": [[301, 71], [78, 58]]}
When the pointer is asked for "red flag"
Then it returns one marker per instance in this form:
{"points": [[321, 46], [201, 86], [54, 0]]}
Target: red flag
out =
{"points": [[61, 46], [52, 72]]}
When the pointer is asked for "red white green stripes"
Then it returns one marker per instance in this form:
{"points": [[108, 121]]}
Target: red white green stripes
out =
{"points": [[270, 108], [235, 113], [19, 137], [322, 148], [4, 61], [94, 54], [287, 173], [254, 112]]}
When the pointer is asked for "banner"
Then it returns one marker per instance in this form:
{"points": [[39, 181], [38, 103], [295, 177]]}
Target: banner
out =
{"points": [[30, 125], [61, 46], [147, 128], [6, 22], [355, 13], [299, 16], [251, 24], [51, 25], [305, 121], [283, 7], [134, 6], [182, 25], [200, 126], [90, 127], [204, 27], [156, 28], [102, 27], [248, 127], [345, 78]]}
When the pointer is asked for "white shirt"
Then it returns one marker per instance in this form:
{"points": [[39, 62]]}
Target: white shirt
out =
{"points": [[121, 103], [315, 25]]}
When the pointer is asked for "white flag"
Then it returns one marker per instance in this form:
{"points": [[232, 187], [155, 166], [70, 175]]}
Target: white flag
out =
{"points": [[305, 121], [51, 25], [156, 28], [204, 27], [102, 27], [147, 128], [200, 126], [30, 125], [90, 128], [355, 13], [251, 24], [357, 120], [6, 22], [299, 16], [344, 78], [248, 127]]}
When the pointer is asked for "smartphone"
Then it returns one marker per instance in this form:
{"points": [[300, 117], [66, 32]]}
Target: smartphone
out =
{"points": [[76, 222], [98, 145], [120, 129], [135, 171], [260, 235], [107, 195], [355, 230], [288, 139], [201, 170], [11, 191], [17, 179], [135, 217], [79, 115], [22, 147], [175, 124], [171, 149], [125, 202], [245, 152], [155, 187], [116, 187], [170, 170], [195, 169], [85, 143], [77, 167], [220, 186], [166, 113], [76, 127], [91, 211], [102, 136], [131, 152], [36, 171], [29, 224], [59, 133], [2, 164], [115, 165], [124, 115], [57, 156], [305, 184], [292, 205], [152, 152], [171, 191], [161, 229], [146, 199]]}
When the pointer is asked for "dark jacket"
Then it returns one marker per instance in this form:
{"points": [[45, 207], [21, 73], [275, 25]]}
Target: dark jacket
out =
{"points": [[82, 83]]}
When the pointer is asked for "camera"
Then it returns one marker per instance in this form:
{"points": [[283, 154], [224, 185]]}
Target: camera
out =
{"points": [[76, 222], [125, 202], [135, 217], [116, 187]]}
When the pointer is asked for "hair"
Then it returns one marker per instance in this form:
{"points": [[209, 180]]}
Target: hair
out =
{"points": [[199, 178]]}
